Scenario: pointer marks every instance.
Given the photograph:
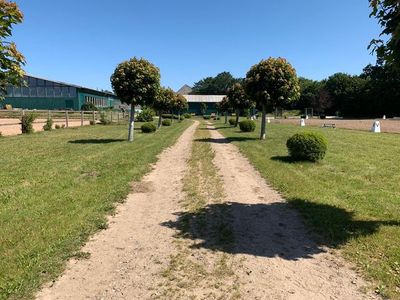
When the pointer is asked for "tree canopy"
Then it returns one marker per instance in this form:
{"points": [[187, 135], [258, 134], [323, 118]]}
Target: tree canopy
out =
{"points": [[388, 14], [217, 85], [11, 60], [180, 103], [272, 82]]}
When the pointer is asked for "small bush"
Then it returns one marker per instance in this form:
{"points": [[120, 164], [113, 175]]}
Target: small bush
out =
{"points": [[247, 126], [232, 122], [146, 115], [91, 122], [63, 126], [307, 146], [207, 117], [57, 126], [187, 116], [322, 117], [166, 122], [148, 127], [88, 106], [103, 119], [27, 123], [48, 125]]}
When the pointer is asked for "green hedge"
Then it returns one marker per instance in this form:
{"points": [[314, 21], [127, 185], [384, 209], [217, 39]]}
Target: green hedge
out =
{"points": [[148, 127], [247, 126], [309, 146], [166, 122]]}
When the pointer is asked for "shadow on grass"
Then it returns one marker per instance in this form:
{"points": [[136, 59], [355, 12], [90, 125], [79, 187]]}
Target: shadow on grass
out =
{"points": [[285, 159], [96, 141], [271, 230], [226, 140]]}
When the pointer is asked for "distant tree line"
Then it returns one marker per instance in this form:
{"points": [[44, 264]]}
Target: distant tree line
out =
{"points": [[373, 93]]}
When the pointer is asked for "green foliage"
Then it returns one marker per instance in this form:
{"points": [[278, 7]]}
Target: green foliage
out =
{"points": [[136, 82], [27, 123], [88, 106], [224, 105], [167, 116], [203, 108], [103, 119], [388, 48], [247, 125], [309, 146], [206, 117], [148, 127], [237, 98], [49, 125], [167, 122], [146, 115], [180, 103], [164, 100], [187, 116], [91, 122], [11, 60], [272, 81], [218, 85], [232, 122]]}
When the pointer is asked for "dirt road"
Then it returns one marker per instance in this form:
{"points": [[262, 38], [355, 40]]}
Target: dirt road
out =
{"points": [[149, 251]]}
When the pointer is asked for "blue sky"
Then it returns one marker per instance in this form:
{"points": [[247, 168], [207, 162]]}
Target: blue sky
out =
{"points": [[81, 41]]}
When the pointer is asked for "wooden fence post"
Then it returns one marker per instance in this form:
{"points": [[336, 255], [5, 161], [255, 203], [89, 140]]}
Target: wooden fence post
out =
{"points": [[81, 118], [111, 116], [118, 117], [94, 117], [48, 114], [66, 119]]}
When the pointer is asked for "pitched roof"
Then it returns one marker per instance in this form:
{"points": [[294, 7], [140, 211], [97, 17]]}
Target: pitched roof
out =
{"points": [[185, 90]]}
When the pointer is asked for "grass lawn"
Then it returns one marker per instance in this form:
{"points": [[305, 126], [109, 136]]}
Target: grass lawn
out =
{"points": [[352, 198], [56, 189]]}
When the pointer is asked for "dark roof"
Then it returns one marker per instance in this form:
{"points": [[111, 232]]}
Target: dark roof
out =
{"points": [[72, 85]]}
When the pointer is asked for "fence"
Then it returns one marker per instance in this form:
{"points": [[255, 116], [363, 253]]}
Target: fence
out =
{"points": [[10, 119]]}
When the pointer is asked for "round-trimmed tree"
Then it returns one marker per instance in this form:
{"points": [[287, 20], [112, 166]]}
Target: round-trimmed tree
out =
{"points": [[163, 102], [179, 105], [272, 82], [238, 99], [223, 107], [135, 82]]}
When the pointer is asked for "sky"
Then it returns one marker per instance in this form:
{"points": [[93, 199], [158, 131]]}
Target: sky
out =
{"points": [[82, 41]]}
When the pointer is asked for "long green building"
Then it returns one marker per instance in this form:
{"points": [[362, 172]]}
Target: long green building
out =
{"points": [[39, 93]]}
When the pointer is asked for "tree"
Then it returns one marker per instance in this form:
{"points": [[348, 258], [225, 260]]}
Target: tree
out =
{"points": [[11, 60], [272, 82], [135, 82], [163, 102], [224, 106], [203, 108], [217, 85], [388, 14], [179, 104], [238, 100]]}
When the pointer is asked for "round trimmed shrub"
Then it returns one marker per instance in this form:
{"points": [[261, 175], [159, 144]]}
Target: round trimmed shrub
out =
{"points": [[187, 116], [309, 146], [232, 122], [247, 126], [148, 127], [166, 122], [207, 117]]}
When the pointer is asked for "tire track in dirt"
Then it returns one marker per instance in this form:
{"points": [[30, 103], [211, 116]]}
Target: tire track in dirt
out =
{"points": [[127, 258], [280, 259]]}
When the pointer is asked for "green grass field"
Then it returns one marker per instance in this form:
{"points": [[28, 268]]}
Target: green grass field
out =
{"points": [[56, 188], [352, 198]]}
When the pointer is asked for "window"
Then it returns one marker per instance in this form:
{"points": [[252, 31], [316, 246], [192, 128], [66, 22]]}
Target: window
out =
{"points": [[32, 81], [57, 92], [49, 92], [17, 92], [33, 91], [72, 92], [10, 91], [40, 82], [25, 92], [40, 92], [65, 91]]}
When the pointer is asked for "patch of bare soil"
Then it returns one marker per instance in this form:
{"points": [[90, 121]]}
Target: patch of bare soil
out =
{"points": [[280, 259], [126, 260], [391, 126], [13, 127]]}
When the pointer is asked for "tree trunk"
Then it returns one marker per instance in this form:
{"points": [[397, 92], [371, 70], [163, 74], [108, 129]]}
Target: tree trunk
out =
{"points": [[237, 117], [159, 119], [131, 123], [179, 116], [263, 122], [226, 117]]}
